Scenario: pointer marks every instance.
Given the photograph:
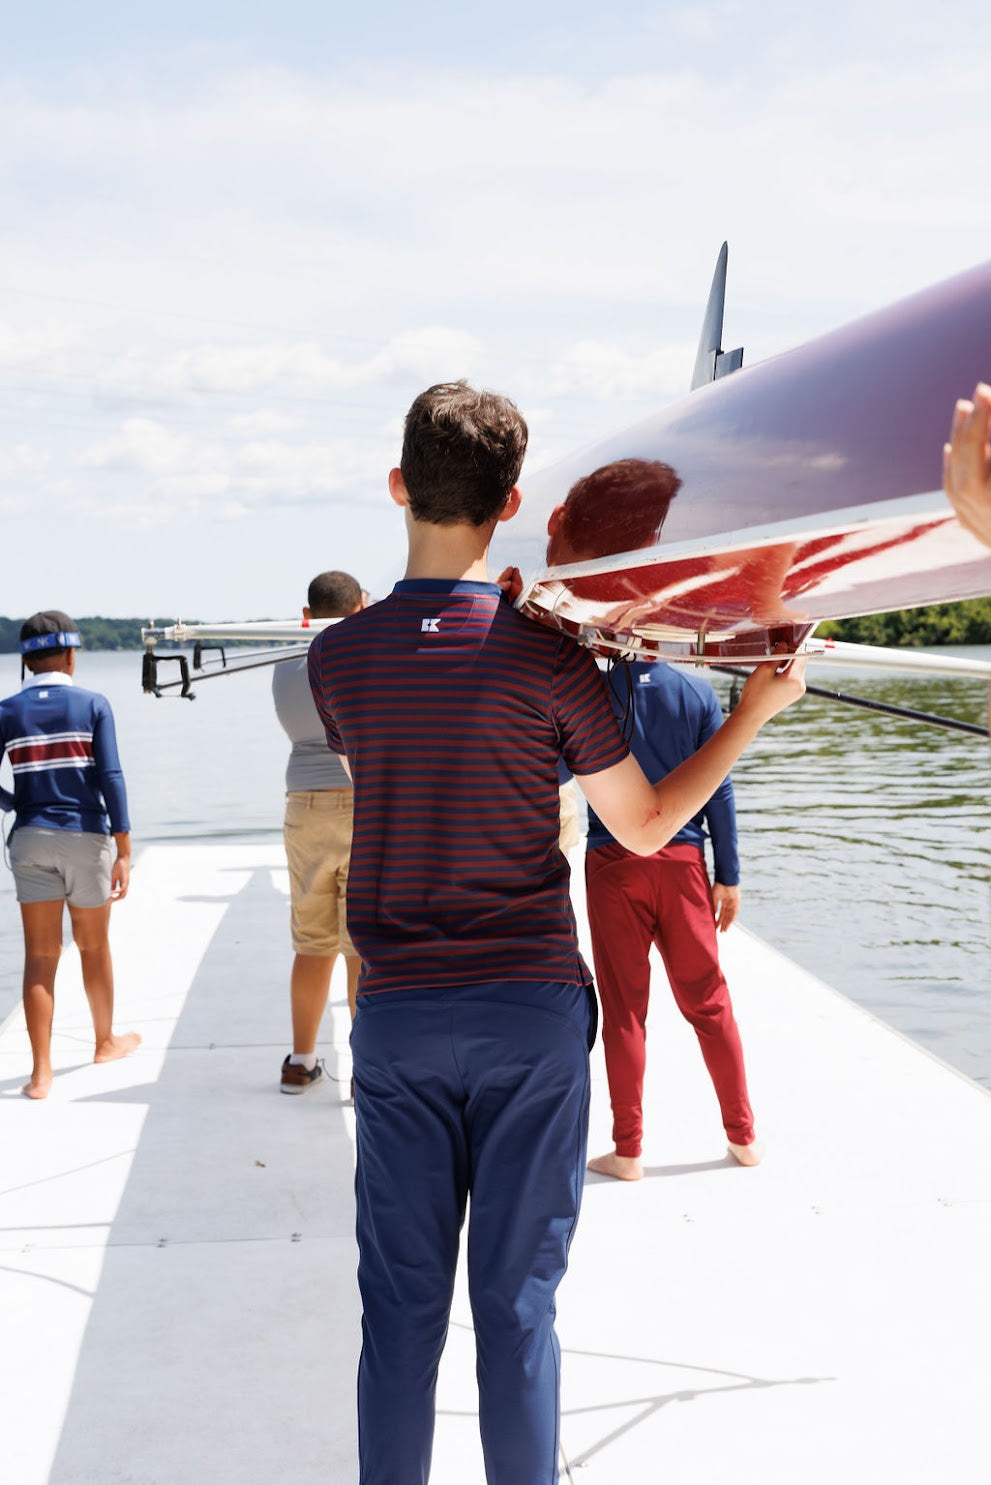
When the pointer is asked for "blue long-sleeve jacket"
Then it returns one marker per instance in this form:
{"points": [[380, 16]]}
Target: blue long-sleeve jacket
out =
{"points": [[673, 714], [62, 748]]}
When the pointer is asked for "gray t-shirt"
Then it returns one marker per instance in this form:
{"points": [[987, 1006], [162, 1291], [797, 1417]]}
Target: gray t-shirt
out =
{"points": [[311, 765]]}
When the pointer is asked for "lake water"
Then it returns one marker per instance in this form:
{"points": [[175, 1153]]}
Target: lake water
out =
{"points": [[864, 840]]}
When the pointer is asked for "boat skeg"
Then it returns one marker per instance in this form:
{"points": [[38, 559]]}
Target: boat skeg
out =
{"points": [[711, 361]]}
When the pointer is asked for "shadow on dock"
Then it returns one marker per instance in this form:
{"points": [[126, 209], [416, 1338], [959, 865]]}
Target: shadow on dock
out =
{"points": [[222, 1336]]}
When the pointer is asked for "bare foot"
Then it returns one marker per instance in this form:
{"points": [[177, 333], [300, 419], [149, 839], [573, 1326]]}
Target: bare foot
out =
{"points": [[39, 1086], [117, 1046], [751, 1154], [623, 1167]]}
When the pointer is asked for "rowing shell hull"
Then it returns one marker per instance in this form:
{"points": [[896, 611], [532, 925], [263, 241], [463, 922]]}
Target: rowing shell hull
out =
{"points": [[804, 488]]}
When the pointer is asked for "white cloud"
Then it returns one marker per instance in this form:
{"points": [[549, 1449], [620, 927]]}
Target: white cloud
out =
{"points": [[289, 367], [299, 471], [141, 446], [608, 371], [23, 459], [178, 472], [265, 421], [44, 343], [348, 190], [263, 267]]}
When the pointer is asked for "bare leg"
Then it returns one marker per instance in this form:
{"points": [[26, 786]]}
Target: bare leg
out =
{"points": [[91, 929], [746, 1154], [353, 966], [309, 987], [622, 1167], [42, 922]]}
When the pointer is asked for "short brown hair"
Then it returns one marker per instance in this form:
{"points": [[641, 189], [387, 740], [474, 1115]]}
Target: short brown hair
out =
{"points": [[462, 454], [333, 595]]}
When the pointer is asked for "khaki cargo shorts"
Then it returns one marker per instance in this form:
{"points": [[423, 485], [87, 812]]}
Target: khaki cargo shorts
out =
{"points": [[570, 825], [317, 835], [71, 866]]}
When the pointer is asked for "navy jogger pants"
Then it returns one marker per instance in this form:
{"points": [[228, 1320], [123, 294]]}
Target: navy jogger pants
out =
{"points": [[473, 1092]]}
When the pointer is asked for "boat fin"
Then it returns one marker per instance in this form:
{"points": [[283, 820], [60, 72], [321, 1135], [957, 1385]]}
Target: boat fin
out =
{"points": [[712, 362]]}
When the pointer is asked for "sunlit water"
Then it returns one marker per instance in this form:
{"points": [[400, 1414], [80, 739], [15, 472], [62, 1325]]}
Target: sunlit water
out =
{"points": [[864, 840], [865, 846]]}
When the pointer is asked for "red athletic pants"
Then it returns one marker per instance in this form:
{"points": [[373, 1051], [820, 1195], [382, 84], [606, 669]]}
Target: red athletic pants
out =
{"points": [[636, 901]]}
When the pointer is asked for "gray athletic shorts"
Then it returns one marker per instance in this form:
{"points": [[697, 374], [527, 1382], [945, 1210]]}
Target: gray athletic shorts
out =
{"points": [[69, 865]]}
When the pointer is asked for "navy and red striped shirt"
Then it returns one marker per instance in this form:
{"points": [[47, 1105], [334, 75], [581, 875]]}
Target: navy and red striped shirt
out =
{"points": [[453, 710]]}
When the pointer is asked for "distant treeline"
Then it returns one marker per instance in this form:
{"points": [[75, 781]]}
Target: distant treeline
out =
{"points": [[966, 623], [96, 633], [945, 624]]}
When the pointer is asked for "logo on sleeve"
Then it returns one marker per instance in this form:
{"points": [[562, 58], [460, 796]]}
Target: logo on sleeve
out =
{"points": [[430, 626]]}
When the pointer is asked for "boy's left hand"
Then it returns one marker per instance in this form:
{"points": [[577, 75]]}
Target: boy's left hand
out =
{"points": [[120, 878], [725, 905]]}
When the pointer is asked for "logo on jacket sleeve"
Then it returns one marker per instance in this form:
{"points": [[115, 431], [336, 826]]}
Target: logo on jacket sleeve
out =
{"points": [[430, 626]]}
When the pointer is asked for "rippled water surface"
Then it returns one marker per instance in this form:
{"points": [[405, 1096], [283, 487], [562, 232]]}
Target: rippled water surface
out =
{"points": [[864, 840], [865, 850]]}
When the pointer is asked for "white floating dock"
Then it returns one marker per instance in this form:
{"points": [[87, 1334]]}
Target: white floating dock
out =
{"points": [[177, 1268]]}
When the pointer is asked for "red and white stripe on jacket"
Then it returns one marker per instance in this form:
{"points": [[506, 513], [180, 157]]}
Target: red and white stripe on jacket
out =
{"points": [[50, 750]]}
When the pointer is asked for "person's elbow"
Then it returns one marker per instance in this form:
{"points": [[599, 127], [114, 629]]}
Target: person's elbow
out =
{"points": [[644, 840], [626, 804], [646, 848], [643, 832]]}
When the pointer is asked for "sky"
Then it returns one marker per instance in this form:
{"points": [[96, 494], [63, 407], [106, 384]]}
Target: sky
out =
{"points": [[237, 239]]}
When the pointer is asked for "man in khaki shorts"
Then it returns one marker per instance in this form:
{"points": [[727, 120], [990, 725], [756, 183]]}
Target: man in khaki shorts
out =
{"points": [[317, 834], [69, 799]]}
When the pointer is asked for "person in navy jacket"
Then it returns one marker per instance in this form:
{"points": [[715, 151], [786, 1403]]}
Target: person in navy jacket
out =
{"points": [[666, 899], [69, 801]]}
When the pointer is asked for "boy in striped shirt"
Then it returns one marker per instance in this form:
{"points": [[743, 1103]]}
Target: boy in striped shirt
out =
{"points": [[62, 749], [475, 1012]]}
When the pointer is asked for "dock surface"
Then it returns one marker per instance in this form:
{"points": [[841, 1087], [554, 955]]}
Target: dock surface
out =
{"points": [[177, 1268]]}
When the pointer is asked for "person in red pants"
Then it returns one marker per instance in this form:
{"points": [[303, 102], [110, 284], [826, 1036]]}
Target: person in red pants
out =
{"points": [[666, 899]]}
